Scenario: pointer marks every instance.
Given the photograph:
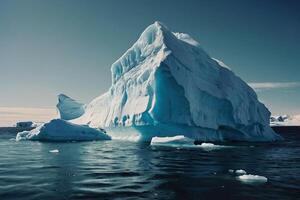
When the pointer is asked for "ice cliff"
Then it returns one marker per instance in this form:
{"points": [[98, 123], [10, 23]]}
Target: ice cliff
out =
{"points": [[68, 108], [167, 85]]}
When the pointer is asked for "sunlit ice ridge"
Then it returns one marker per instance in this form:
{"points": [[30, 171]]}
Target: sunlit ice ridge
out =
{"points": [[167, 85]]}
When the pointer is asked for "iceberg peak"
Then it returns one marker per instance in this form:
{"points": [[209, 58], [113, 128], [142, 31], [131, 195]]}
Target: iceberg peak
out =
{"points": [[69, 108], [149, 44]]}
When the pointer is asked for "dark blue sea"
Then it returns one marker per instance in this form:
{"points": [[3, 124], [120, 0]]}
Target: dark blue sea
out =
{"points": [[128, 170]]}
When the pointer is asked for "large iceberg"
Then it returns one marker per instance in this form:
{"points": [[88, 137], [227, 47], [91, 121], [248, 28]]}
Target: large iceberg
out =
{"points": [[68, 108], [167, 85], [61, 130]]}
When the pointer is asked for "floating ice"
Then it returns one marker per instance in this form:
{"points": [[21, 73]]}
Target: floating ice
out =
{"points": [[249, 178], [61, 130], [211, 146], [240, 172], [167, 84], [54, 151], [177, 141]]}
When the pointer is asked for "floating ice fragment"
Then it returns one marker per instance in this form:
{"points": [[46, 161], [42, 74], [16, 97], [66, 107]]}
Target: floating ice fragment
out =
{"points": [[61, 130], [175, 141], [54, 151], [249, 178], [240, 172], [211, 146]]}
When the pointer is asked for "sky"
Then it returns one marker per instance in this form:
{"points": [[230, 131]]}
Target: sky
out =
{"points": [[62, 46]]}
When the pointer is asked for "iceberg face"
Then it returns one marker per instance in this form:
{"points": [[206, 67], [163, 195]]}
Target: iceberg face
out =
{"points": [[168, 83], [61, 130], [69, 108]]}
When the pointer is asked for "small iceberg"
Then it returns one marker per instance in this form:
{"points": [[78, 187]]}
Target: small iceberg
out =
{"points": [[54, 151], [61, 130], [175, 141], [249, 178]]}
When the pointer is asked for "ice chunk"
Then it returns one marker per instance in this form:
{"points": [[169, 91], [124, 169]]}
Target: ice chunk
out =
{"points": [[249, 178], [240, 172], [177, 141], [61, 130], [54, 151], [167, 82], [69, 108]]}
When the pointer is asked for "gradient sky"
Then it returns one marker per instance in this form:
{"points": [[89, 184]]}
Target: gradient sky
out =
{"points": [[60, 46]]}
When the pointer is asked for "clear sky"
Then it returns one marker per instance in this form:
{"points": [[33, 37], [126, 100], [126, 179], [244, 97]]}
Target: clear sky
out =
{"points": [[61, 46]]}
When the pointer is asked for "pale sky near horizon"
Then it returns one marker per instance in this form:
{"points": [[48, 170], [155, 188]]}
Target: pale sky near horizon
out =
{"points": [[64, 46]]}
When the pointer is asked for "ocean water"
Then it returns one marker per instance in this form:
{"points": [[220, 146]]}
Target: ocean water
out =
{"points": [[128, 170]]}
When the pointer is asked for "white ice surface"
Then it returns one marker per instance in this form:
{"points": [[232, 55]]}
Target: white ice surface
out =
{"points": [[249, 178], [176, 141], [240, 172], [61, 130], [54, 151], [182, 141], [168, 83]]}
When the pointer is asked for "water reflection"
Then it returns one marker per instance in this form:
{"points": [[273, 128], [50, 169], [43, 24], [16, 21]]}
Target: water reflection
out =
{"points": [[118, 169]]}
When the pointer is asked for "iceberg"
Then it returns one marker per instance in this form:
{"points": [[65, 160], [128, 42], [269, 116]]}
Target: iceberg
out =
{"points": [[61, 130], [68, 108], [167, 85]]}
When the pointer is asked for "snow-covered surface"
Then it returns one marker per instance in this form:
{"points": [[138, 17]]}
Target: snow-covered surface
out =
{"points": [[285, 120], [178, 140], [249, 178], [167, 85], [61, 130], [69, 108]]}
